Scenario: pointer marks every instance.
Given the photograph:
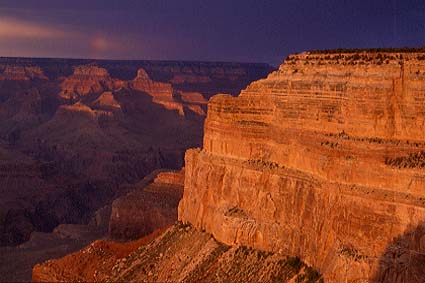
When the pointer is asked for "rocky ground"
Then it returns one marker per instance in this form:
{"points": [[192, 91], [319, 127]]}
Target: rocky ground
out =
{"points": [[91, 264], [180, 254]]}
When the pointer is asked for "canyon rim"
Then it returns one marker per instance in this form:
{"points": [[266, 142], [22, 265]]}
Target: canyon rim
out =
{"points": [[318, 166], [213, 141]]}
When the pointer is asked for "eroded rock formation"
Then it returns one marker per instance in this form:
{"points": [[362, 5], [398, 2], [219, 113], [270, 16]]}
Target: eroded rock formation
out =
{"points": [[74, 136], [76, 130], [147, 209], [322, 160], [87, 79], [12, 72], [181, 254], [165, 95]]}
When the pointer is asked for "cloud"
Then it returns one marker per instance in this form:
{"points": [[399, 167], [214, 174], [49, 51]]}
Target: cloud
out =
{"points": [[24, 37], [36, 35], [19, 29]]}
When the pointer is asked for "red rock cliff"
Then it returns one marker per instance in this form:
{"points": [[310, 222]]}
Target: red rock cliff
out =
{"points": [[87, 79], [325, 160]]}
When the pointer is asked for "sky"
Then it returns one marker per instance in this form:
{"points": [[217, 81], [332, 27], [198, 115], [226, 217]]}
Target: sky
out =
{"points": [[209, 30]]}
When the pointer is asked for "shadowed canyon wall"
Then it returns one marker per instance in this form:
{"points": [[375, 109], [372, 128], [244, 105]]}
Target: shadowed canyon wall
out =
{"points": [[324, 159], [72, 132]]}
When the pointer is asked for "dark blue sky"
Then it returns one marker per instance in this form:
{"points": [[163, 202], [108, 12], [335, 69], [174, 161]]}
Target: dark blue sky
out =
{"points": [[224, 30]]}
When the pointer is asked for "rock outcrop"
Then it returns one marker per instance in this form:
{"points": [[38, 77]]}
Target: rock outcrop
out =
{"points": [[165, 95], [147, 208], [158, 90], [162, 93], [94, 263], [322, 160], [87, 79], [181, 254]]}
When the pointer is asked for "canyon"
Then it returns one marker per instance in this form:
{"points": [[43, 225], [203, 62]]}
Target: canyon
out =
{"points": [[319, 166], [323, 160], [83, 127], [77, 134]]}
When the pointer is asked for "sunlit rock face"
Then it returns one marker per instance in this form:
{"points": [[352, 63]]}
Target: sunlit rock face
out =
{"points": [[87, 79], [158, 90], [162, 93], [323, 159]]}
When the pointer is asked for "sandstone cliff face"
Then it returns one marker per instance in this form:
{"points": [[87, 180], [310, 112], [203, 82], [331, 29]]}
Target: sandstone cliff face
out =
{"points": [[323, 159], [147, 207]]}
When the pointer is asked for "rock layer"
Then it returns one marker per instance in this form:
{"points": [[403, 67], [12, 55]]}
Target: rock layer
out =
{"points": [[322, 160], [162, 93], [147, 208], [88, 79]]}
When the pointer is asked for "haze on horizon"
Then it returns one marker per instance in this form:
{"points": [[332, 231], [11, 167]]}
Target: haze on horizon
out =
{"points": [[221, 30]]}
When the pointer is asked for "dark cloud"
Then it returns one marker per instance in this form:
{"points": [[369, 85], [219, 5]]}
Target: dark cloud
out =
{"points": [[238, 30]]}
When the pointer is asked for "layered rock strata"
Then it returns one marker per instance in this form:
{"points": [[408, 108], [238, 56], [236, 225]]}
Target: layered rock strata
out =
{"points": [[74, 133], [148, 208], [322, 160], [162, 93], [87, 79]]}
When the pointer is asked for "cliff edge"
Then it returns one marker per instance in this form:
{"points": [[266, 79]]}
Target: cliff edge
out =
{"points": [[324, 159]]}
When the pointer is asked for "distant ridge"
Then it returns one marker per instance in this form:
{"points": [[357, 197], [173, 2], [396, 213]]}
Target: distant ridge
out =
{"points": [[370, 50], [127, 69]]}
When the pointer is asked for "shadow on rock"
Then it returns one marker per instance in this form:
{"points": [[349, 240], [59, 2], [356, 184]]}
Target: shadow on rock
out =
{"points": [[404, 259]]}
